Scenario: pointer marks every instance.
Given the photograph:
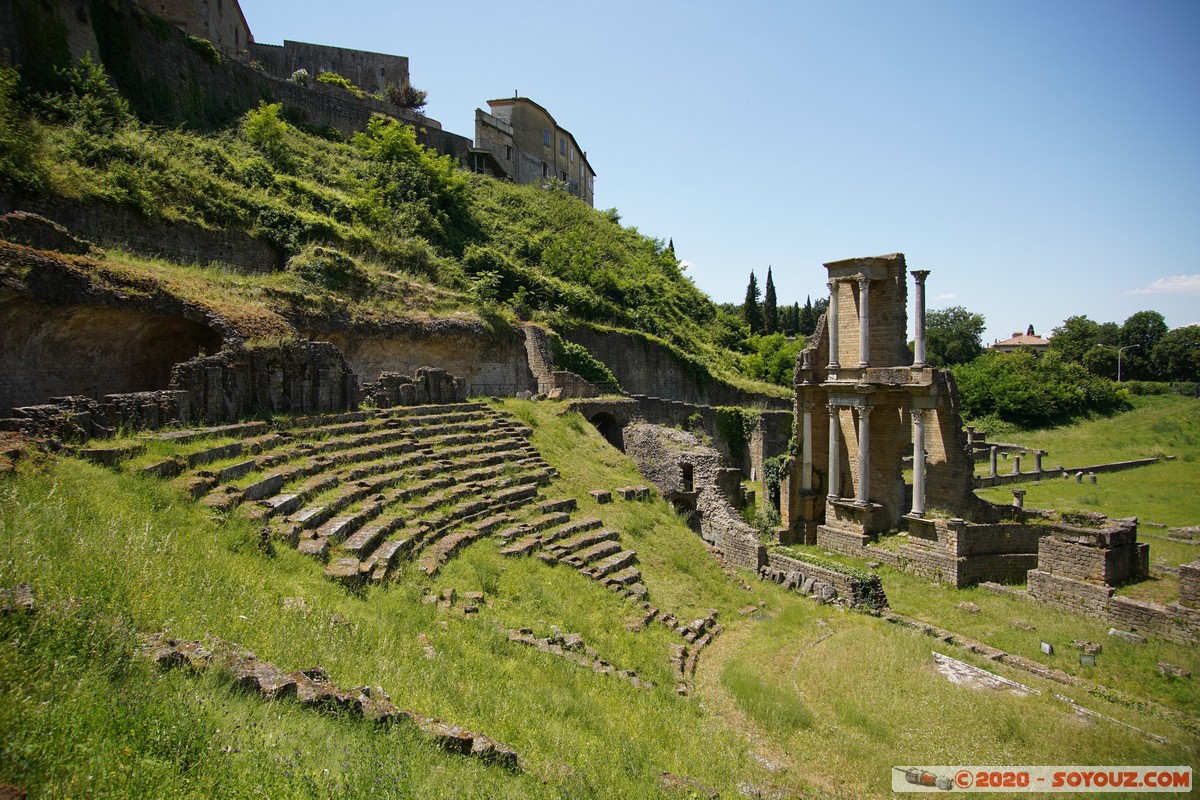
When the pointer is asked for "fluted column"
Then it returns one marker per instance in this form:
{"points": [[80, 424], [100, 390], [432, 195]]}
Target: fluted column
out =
{"points": [[806, 455], [918, 499], [864, 456], [833, 325], [864, 321], [835, 454], [919, 343]]}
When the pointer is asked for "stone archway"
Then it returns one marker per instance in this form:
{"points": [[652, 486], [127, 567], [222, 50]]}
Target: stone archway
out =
{"points": [[609, 428]]}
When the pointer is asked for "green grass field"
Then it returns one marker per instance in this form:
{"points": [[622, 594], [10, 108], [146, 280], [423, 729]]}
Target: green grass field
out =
{"points": [[793, 700]]}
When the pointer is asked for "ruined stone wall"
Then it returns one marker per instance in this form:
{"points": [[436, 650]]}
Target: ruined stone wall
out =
{"points": [[488, 362], [770, 439], [110, 225], [48, 351], [644, 367], [853, 589], [949, 466], [290, 378], [661, 454], [1189, 584]]}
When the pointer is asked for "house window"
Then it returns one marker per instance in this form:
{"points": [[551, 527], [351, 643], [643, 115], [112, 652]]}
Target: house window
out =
{"points": [[563, 175], [545, 137], [572, 155], [545, 170], [562, 146], [508, 152], [382, 72]]}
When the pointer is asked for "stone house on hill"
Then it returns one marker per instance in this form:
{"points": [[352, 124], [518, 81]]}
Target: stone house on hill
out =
{"points": [[527, 145]]}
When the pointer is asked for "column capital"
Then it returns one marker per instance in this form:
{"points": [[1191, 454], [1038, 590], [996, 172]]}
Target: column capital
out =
{"points": [[918, 414], [864, 411], [832, 408], [920, 275], [862, 280], [807, 407]]}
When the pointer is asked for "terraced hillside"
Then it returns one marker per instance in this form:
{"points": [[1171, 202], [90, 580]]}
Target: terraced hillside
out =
{"points": [[478, 601]]}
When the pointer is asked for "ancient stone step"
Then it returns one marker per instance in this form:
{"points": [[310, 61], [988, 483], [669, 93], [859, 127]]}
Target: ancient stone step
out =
{"points": [[611, 564], [563, 504], [338, 528], [385, 556], [264, 487], [311, 517], [367, 538], [239, 430], [344, 570], [626, 577], [578, 542], [318, 548], [594, 553]]}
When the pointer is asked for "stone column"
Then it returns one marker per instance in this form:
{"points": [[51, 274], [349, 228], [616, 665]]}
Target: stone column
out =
{"points": [[1037, 460], [833, 325], [992, 458], [864, 456], [835, 454], [1018, 498], [918, 501], [806, 456], [864, 321], [919, 276]]}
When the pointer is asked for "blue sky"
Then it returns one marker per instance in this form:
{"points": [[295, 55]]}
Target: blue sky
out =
{"points": [[1040, 158]]}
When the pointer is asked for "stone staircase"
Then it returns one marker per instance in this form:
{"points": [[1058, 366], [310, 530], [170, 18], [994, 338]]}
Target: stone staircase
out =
{"points": [[367, 490]]}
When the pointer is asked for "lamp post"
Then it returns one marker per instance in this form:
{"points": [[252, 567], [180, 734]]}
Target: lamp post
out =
{"points": [[1119, 350]]}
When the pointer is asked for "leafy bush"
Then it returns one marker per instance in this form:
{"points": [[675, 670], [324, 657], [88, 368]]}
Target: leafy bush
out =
{"points": [[406, 96], [206, 49], [20, 146], [774, 359], [576, 358], [736, 425], [330, 268], [299, 77], [1033, 389], [341, 81], [264, 129]]}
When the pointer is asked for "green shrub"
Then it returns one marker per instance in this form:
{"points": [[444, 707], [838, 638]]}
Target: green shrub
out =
{"points": [[264, 129], [331, 269], [576, 358], [736, 425], [1033, 389], [206, 49], [20, 144], [342, 82]]}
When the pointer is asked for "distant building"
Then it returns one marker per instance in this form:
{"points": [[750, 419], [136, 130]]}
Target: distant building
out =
{"points": [[1019, 340], [219, 21], [522, 142]]}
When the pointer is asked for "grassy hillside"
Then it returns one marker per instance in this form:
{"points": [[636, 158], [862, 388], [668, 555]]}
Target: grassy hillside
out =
{"points": [[794, 699], [1159, 425], [376, 224]]}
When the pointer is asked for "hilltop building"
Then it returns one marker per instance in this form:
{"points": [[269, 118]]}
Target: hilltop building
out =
{"points": [[371, 72], [219, 21], [1019, 340], [527, 145]]}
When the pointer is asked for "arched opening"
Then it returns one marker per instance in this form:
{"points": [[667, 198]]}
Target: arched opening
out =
{"points": [[51, 351], [610, 429]]}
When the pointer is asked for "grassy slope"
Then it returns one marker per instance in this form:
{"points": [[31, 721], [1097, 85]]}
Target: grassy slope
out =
{"points": [[112, 553]]}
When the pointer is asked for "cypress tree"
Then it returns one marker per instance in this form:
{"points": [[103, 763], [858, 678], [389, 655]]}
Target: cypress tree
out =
{"points": [[808, 317], [770, 311], [791, 319], [751, 312]]}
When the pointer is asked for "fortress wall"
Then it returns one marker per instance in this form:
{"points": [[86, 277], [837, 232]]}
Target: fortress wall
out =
{"points": [[645, 367]]}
